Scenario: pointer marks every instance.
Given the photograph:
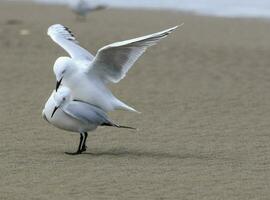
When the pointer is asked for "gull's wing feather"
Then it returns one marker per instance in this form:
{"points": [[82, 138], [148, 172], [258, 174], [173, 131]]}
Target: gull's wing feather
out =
{"points": [[113, 61], [65, 38], [87, 113]]}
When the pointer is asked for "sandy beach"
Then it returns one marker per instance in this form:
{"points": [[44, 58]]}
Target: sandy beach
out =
{"points": [[203, 93]]}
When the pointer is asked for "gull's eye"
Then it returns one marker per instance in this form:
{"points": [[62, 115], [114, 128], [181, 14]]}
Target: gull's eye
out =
{"points": [[64, 98]]}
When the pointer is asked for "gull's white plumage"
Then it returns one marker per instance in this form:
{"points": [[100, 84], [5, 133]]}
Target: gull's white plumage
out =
{"points": [[65, 113], [87, 75], [74, 116]]}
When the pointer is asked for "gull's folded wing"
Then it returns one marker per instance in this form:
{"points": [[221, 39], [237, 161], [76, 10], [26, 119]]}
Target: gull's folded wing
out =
{"points": [[87, 113], [64, 37], [113, 61]]}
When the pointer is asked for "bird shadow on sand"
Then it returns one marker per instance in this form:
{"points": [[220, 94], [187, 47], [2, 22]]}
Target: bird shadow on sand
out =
{"points": [[124, 152]]}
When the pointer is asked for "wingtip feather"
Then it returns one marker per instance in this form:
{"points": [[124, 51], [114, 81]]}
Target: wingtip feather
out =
{"points": [[173, 28], [59, 30]]}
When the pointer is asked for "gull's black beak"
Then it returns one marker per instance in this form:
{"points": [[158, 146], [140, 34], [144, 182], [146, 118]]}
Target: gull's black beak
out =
{"points": [[58, 83], [54, 110]]}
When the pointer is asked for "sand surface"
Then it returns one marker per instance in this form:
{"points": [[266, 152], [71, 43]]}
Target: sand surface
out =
{"points": [[204, 94]]}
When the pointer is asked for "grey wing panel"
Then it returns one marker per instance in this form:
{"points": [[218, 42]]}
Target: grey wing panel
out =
{"points": [[86, 113]]}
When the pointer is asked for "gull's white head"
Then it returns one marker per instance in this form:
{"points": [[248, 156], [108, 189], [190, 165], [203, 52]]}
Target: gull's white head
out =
{"points": [[63, 67], [61, 98]]}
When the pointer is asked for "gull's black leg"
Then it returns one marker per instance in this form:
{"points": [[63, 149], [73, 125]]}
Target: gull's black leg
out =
{"points": [[84, 147], [79, 151]]}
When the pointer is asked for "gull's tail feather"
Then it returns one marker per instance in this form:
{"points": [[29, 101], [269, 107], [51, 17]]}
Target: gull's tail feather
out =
{"points": [[119, 105], [118, 126], [128, 127]]}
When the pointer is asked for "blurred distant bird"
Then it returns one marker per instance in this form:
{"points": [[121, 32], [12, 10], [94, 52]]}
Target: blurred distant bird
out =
{"points": [[76, 116], [82, 7], [87, 76]]}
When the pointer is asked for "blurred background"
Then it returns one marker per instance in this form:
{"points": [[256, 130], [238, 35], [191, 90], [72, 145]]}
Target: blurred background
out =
{"points": [[228, 8], [203, 93]]}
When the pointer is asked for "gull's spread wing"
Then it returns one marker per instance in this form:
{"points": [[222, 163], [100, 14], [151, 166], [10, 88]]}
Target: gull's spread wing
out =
{"points": [[65, 38], [113, 61]]}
